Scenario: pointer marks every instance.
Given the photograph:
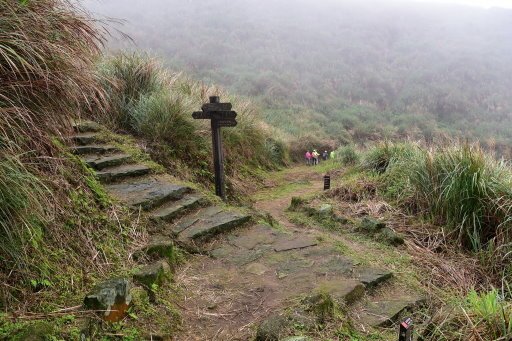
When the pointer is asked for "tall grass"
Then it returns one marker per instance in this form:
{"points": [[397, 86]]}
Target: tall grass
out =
{"points": [[47, 53], [460, 188], [157, 105]]}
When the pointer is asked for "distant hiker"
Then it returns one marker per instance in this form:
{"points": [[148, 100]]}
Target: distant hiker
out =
{"points": [[332, 155], [315, 156], [308, 158], [325, 155]]}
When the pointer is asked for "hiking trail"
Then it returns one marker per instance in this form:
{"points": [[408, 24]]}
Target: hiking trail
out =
{"points": [[251, 273]]}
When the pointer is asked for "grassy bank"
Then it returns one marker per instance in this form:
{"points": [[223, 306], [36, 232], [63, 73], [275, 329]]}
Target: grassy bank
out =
{"points": [[456, 200], [156, 105]]}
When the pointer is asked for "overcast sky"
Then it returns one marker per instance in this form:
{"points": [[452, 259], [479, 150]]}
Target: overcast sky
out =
{"points": [[479, 3]]}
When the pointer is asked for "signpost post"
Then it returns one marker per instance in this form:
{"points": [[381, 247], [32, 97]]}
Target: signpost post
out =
{"points": [[220, 115]]}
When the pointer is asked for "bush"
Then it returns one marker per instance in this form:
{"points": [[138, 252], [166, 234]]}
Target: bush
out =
{"points": [[459, 187], [485, 314], [157, 106], [347, 155]]}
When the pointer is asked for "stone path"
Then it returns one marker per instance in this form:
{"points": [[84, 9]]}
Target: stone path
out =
{"points": [[244, 279], [259, 276], [180, 214]]}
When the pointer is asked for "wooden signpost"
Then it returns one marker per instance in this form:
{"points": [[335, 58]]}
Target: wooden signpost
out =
{"points": [[220, 115]]}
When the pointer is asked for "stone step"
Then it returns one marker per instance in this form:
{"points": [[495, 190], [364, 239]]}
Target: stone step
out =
{"points": [[111, 174], [341, 290], [208, 222], [371, 277], [174, 209], [158, 247], [155, 273], [93, 149], [86, 126], [83, 139], [382, 313], [147, 192], [103, 161]]}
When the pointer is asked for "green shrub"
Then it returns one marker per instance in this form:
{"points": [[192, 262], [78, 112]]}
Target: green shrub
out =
{"points": [[459, 187], [157, 106], [347, 155], [486, 314]]}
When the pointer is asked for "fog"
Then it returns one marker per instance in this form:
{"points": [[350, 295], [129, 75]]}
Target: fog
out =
{"points": [[430, 63]]}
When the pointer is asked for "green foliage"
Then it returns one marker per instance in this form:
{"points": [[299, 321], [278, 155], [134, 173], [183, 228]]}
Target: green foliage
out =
{"points": [[157, 106], [344, 70], [486, 314], [22, 200], [347, 155], [459, 187]]}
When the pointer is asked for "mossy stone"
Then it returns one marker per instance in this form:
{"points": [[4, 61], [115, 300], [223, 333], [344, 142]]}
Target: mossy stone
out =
{"points": [[391, 237], [152, 274], [371, 225], [272, 328], [38, 331]]}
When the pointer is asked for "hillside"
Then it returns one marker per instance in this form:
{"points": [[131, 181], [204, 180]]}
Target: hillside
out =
{"points": [[110, 230], [345, 70]]}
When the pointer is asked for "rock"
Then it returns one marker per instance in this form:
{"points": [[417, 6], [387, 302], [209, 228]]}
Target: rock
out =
{"points": [[272, 328], [84, 138], [148, 192], [93, 149], [296, 243], [176, 208], [158, 247], [37, 331], [110, 299], [86, 126], [341, 290], [257, 235], [152, 274], [386, 312], [391, 237], [335, 265], [325, 211], [100, 161], [371, 225], [372, 277], [224, 251], [209, 222], [111, 174], [243, 258], [256, 269]]}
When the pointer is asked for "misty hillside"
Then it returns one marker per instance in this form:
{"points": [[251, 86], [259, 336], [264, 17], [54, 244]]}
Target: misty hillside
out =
{"points": [[345, 70]]}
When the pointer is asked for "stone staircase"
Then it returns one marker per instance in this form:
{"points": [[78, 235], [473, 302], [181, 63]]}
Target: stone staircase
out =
{"points": [[179, 214]]}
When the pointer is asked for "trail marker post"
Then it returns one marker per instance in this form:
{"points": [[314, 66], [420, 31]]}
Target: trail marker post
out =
{"points": [[406, 330], [220, 115]]}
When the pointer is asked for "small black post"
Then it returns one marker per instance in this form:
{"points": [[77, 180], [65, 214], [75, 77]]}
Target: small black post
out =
{"points": [[327, 182], [406, 329]]}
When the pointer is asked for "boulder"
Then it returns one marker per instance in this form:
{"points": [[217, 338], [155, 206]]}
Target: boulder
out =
{"points": [[157, 247], [390, 237], [371, 225], [325, 211], [272, 328], [110, 299], [152, 274]]}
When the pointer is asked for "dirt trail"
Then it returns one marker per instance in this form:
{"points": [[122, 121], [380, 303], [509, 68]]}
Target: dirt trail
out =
{"points": [[251, 274], [276, 206]]}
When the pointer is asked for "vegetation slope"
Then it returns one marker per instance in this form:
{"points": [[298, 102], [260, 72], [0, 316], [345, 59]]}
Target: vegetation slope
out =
{"points": [[344, 70]]}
